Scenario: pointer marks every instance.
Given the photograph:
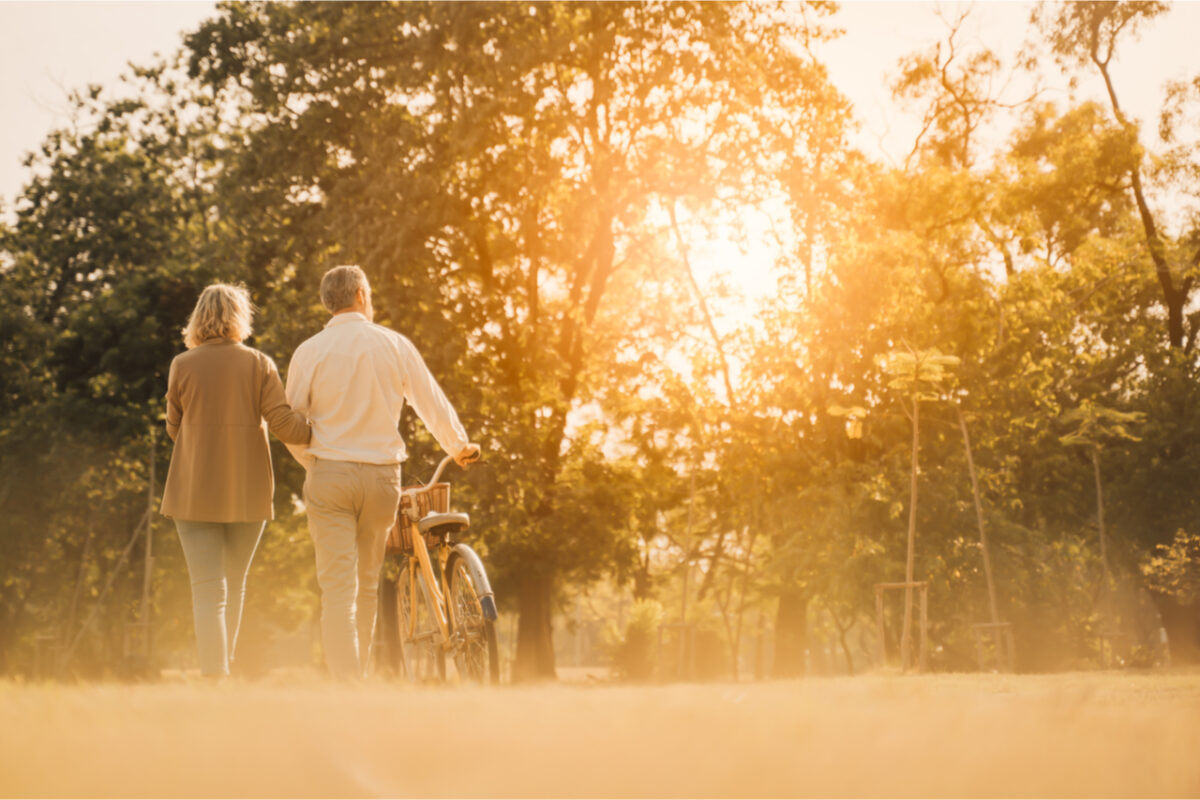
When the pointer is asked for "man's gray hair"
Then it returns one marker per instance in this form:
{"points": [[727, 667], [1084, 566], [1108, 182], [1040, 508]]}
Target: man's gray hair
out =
{"points": [[339, 286]]}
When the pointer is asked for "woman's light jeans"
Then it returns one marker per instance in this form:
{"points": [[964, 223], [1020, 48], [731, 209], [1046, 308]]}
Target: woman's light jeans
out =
{"points": [[218, 557]]}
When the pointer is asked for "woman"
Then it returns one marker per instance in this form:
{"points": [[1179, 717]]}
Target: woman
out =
{"points": [[220, 483]]}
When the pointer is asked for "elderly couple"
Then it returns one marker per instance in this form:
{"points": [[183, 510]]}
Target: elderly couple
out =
{"points": [[339, 417]]}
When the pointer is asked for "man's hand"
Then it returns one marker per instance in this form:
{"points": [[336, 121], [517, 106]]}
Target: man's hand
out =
{"points": [[468, 455]]}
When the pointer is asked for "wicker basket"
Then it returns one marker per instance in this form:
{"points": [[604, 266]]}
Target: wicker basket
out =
{"points": [[400, 537]]}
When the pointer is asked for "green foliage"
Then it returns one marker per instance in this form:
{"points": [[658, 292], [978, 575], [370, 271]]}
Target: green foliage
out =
{"points": [[917, 373], [1174, 569], [1081, 32], [1093, 425]]}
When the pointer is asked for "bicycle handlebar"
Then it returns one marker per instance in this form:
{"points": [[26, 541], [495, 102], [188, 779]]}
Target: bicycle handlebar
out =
{"points": [[438, 472], [415, 490]]}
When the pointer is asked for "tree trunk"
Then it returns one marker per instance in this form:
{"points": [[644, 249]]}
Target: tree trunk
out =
{"points": [[1182, 623], [1100, 515], [643, 581], [906, 632], [1175, 298], [730, 398], [706, 584], [842, 631], [791, 635], [535, 642], [10, 614], [741, 610]]}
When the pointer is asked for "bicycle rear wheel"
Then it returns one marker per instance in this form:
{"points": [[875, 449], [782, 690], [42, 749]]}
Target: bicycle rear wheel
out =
{"points": [[420, 654], [477, 656]]}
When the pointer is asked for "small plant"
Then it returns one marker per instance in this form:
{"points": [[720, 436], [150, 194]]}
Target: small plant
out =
{"points": [[917, 374], [1092, 427]]}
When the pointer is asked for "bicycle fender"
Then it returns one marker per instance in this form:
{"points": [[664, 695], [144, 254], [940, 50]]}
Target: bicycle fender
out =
{"points": [[478, 577]]}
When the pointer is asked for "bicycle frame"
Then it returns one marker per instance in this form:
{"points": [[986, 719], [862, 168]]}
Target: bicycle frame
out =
{"points": [[433, 595]]}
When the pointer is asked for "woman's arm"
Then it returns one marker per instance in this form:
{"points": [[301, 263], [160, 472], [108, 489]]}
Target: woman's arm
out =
{"points": [[290, 426], [174, 407]]}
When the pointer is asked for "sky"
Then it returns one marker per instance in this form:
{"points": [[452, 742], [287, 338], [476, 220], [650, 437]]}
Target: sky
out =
{"points": [[878, 34], [50, 48]]}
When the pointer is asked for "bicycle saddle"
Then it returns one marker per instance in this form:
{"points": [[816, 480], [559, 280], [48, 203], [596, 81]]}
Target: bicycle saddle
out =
{"points": [[433, 520]]}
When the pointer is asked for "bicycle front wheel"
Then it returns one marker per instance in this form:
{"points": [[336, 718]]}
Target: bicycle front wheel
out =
{"points": [[420, 653], [477, 656]]}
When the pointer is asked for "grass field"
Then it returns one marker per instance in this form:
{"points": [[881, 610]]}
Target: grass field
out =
{"points": [[1093, 735]]}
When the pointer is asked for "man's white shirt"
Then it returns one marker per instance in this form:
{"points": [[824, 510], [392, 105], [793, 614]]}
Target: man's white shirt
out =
{"points": [[351, 380]]}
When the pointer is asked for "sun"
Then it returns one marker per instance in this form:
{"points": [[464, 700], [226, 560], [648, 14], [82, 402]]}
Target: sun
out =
{"points": [[741, 255]]}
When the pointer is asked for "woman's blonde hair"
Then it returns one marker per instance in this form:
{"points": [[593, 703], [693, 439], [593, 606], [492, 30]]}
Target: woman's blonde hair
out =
{"points": [[223, 311]]}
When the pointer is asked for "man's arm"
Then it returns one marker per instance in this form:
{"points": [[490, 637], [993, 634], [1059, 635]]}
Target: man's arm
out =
{"points": [[299, 383], [430, 403]]}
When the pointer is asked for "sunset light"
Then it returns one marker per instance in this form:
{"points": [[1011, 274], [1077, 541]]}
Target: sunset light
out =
{"points": [[599, 399]]}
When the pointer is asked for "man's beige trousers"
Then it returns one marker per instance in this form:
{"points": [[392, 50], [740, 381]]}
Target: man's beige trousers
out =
{"points": [[350, 508]]}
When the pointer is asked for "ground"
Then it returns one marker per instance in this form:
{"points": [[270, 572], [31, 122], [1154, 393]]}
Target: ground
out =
{"points": [[1093, 735]]}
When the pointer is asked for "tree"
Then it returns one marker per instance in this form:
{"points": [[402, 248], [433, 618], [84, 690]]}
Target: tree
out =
{"points": [[518, 158], [1088, 33], [97, 281]]}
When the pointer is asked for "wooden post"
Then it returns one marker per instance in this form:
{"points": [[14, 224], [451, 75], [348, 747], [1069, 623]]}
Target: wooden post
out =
{"points": [[759, 669], [905, 633], [687, 556], [924, 625], [691, 640], [907, 587], [658, 666], [983, 543], [147, 582], [879, 624], [578, 631], [1107, 601]]}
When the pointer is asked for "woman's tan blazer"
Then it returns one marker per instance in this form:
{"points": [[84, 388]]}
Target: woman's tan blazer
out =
{"points": [[221, 398]]}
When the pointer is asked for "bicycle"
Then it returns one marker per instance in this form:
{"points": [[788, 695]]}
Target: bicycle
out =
{"points": [[429, 610]]}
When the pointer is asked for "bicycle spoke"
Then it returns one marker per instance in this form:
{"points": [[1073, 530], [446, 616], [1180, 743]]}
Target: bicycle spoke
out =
{"points": [[472, 653]]}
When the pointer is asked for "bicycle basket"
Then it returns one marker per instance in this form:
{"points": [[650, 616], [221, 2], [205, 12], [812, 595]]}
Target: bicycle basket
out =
{"points": [[400, 537]]}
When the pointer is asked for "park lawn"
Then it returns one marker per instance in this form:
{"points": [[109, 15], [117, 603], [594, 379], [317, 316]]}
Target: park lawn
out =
{"points": [[1079, 734]]}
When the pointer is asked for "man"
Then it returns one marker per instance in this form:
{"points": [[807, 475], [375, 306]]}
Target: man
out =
{"points": [[351, 381]]}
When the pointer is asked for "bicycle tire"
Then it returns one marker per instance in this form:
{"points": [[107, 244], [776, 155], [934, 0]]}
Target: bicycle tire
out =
{"points": [[421, 660], [477, 660]]}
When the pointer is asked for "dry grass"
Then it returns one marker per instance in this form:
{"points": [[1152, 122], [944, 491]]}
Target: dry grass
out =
{"points": [[983, 736]]}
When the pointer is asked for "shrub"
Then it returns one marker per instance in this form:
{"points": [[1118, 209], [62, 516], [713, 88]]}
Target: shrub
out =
{"points": [[1174, 569], [636, 656]]}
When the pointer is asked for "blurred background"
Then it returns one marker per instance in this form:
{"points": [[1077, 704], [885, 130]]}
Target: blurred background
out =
{"points": [[758, 310]]}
